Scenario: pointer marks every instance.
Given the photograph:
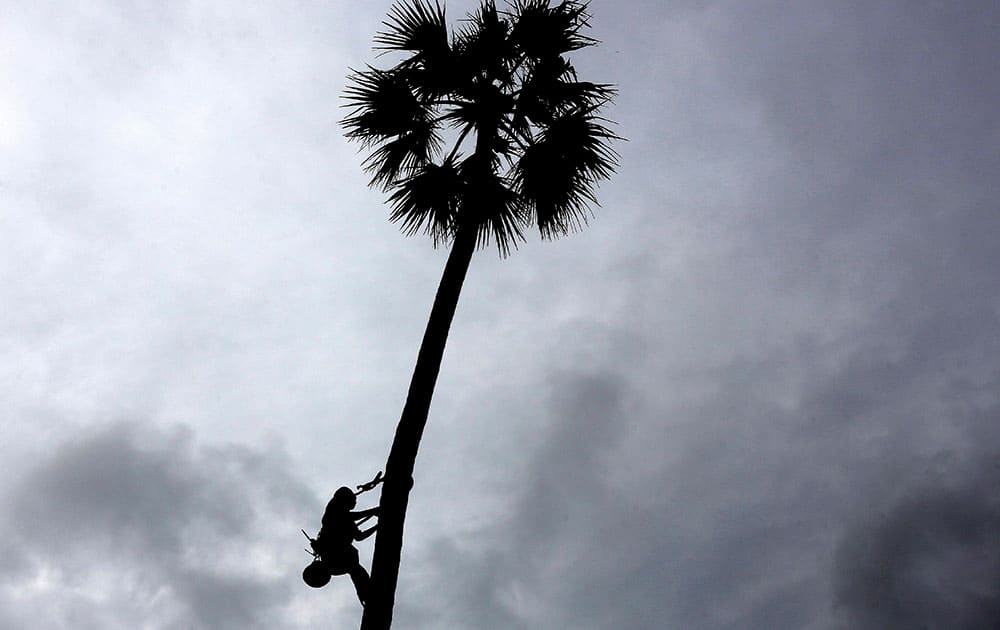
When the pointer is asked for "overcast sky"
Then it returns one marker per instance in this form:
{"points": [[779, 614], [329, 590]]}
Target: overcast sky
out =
{"points": [[761, 390]]}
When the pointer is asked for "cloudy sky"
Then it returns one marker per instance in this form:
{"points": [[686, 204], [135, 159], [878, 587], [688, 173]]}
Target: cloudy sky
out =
{"points": [[761, 390]]}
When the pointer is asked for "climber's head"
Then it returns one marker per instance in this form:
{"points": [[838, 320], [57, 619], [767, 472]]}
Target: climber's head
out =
{"points": [[344, 498]]}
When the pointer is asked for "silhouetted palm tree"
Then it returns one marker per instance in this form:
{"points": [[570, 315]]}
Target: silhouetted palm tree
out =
{"points": [[477, 135]]}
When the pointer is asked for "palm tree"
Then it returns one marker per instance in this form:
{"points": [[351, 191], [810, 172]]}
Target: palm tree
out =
{"points": [[476, 136]]}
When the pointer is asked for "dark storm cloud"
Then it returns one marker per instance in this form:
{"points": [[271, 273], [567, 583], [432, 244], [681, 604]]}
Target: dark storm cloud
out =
{"points": [[176, 533], [931, 560]]}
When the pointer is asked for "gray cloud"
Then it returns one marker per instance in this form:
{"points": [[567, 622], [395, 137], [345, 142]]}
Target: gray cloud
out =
{"points": [[144, 526], [930, 560]]}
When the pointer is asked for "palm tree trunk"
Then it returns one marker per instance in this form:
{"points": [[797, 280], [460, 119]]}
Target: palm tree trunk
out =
{"points": [[403, 454]]}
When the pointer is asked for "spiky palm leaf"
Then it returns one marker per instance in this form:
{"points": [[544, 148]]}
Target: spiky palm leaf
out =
{"points": [[404, 155], [382, 105], [429, 200], [483, 47], [551, 88], [418, 28], [541, 30], [557, 174]]}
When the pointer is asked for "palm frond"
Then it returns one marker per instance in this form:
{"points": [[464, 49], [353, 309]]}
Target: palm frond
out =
{"points": [[492, 204], [483, 105], [542, 103], [402, 156], [502, 216], [552, 191], [556, 175], [382, 105], [417, 27], [482, 45], [550, 88], [542, 30], [429, 200]]}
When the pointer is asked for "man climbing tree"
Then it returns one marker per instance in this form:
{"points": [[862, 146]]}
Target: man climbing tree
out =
{"points": [[476, 135], [333, 548]]}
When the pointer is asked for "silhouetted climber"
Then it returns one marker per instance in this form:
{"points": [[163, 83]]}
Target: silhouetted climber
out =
{"points": [[333, 548]]}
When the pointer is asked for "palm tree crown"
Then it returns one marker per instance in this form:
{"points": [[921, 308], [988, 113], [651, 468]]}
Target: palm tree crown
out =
{"points": [[525, 142]]}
